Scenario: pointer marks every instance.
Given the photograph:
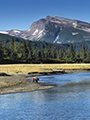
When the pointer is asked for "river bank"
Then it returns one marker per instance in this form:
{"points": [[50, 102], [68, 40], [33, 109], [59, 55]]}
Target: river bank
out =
{"points": [[14, 84], [19, 81]]}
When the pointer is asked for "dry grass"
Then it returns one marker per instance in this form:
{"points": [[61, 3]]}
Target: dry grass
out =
{"points": [[25, 68]]}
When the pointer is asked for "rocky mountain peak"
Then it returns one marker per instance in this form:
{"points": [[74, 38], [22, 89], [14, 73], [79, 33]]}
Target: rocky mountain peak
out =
{"points": [[56, 30]]}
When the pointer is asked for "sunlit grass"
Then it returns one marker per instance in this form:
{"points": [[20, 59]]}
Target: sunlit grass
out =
{"points": [[25, 68]]}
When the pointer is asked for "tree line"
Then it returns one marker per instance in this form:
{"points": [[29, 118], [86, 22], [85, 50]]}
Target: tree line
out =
{"points": [[25, 53]]}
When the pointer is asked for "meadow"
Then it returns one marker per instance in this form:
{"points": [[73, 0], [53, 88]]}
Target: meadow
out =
{"points": [[26, 68]]}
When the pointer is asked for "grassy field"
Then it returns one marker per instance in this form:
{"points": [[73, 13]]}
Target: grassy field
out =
{"points": [[25, 68]]}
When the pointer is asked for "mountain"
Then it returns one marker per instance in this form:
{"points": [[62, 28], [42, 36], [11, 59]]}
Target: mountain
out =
{"points": [[55, 30]]}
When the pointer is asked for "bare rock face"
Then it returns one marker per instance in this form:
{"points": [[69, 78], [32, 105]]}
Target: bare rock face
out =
{"points": [[55, 30]]}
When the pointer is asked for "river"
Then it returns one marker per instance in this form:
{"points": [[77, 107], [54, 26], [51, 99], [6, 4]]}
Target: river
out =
{"points": [[69, 100]]}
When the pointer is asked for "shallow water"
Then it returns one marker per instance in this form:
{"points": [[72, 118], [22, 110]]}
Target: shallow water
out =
{"points": [[69, 100]]}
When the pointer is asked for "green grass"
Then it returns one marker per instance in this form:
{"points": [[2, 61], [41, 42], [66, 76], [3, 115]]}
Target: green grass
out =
{"points": [[25, 68]]}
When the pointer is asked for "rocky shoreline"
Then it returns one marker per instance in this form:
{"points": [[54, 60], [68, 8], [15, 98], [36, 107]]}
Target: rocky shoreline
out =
{"points": [[21, 82]]}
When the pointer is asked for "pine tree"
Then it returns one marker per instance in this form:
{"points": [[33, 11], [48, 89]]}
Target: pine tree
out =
{"points": [[67, 53], [59, 54], [5, 53], [1, 53], [83, 53], [71, 52], [29, 51], [53, 52], [38, 55], [77, 55], [47, 52], [24, 51], [11, 47], [88, 54], [34, 53], [42, 53], [64, 54], [16, 50], [4, 50]]}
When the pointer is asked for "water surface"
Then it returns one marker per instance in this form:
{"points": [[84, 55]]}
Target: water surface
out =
{"points": [[70, 100]]}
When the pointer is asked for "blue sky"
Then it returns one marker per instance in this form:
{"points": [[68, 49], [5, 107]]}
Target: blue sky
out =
{"points": [[20, 14]]}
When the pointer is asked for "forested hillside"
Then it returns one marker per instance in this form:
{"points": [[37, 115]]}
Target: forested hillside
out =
{"points": [[40, 44], [32, 52]]}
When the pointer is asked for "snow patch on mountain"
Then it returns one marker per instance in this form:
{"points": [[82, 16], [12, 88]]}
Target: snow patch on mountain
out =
{"points": [[56, 21], [74, 24], [4, 32], [40, 34], [56, 39], [85, 29], [74, 33], [17, 31], [35, 32], [28, 29]]}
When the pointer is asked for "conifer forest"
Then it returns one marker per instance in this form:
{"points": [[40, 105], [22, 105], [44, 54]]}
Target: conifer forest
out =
{"points": [[26, 53]]}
